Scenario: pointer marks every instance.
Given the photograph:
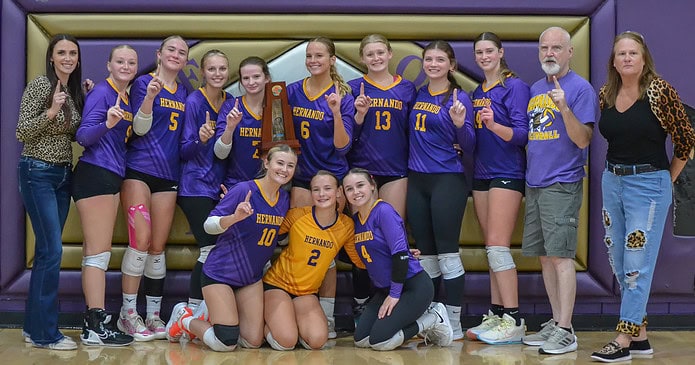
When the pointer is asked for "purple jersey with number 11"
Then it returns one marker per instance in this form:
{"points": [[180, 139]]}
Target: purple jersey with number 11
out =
{"points": [[157, 152], [377, 238], [244, 248], [104, 147]]}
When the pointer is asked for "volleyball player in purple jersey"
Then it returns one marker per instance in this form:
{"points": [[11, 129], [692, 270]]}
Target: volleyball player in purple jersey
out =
{"points": [[247, 221], [239, 124], [382, 103], [501, 128], [441, 118], [148, 194], [106, 121], [323, 114], [201, 171], [402, 305]]}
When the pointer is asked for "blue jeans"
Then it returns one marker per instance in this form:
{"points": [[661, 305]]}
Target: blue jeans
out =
{"points": [[45, 190], [634, 214]]}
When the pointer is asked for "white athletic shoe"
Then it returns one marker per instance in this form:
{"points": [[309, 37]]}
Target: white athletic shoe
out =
{"points": [[441, 332], [131, 323], [490, 321], [506, 332]]}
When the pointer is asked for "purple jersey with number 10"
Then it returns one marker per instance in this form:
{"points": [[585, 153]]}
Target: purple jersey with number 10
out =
{"points": [[105, 147], [157, 152], [244, 248], [243, 160], [201, 171], [377, 238], [380, 144]]}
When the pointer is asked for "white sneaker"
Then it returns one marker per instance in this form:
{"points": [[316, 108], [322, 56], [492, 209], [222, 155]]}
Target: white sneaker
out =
{"points": [[441, 332], [156, 326], [27, 337], [490, 321], [539, 338], [174, 329], [131, 323], [64, 344], [201, 312], [506, 332]]}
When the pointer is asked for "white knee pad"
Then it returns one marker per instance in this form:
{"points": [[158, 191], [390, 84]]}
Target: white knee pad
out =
{"points": [[204, 252], [156, 266], [451, 265], [363, 343], [133, 263], [391, 343], [431, 265], [100, 260], [214, 343], [275, 345], [500, 258]]}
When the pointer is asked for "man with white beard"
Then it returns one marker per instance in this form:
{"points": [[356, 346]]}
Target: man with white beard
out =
{"points": [[562, 111]]}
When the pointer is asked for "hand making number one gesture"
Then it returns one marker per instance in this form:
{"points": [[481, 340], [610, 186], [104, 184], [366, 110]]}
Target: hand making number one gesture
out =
{"points": [[362, 103], [115, 113], [558, 95], [334, 99], [234, 116], [207, 130], [244, 209], [457, 111]]}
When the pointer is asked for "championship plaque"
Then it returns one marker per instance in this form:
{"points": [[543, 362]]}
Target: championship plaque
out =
{"points": [[277, 127]]}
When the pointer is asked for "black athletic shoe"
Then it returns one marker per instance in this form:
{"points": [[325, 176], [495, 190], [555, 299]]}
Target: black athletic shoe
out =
{"points": [[641, 348], [612, 352], [98, 331]]}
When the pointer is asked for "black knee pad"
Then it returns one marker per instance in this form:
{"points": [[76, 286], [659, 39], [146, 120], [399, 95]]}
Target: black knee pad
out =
{"points": [[228, 335]]}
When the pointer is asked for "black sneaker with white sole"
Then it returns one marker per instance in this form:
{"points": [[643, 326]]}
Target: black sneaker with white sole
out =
{"points": [[98, 331], [612, 352]]}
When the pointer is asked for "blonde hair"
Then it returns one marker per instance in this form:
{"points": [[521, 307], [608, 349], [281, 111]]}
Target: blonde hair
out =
{"points": [[335, 76], [374, 38]]}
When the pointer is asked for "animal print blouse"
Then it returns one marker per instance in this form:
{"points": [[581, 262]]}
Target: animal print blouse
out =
{"points": [[44, 139], [668, 109]]}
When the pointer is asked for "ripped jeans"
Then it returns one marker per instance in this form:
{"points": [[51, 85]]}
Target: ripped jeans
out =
{"points": [[634, 213]]}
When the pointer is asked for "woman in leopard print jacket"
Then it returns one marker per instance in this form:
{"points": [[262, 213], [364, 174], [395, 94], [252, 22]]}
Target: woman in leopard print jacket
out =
{"points": [[638, 111], [49, 115]]}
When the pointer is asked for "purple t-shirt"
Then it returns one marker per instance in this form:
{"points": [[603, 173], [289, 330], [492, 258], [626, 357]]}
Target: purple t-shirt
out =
{"points": [[201, 171], [551, 155], [313, 126], [385, 124], [378, 237], [495, 157], [433, 133], [243, 249], [104, 147]]}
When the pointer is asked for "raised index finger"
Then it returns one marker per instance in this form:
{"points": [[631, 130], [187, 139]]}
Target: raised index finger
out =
{"points": [[58, 90], [337, 88], [362, 88], [557, 84], [456, 94], [236, 104], [248, 197], [118, 99]]}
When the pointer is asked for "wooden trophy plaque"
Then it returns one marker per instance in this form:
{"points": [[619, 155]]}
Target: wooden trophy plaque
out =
{"points": [[277, 127]]}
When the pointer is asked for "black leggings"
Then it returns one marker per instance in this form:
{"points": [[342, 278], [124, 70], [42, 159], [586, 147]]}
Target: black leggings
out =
{"points": [[416, 297], [197, 210], [435, 205]]}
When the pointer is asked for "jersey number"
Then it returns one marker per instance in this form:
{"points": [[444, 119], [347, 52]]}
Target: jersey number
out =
{"points": [[304, 128], [365, 254], [255, 144], [314, 257], [128, 132], [174, 123], [267, 237], [386, 123], [420, 122]]}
